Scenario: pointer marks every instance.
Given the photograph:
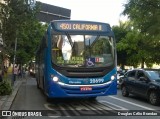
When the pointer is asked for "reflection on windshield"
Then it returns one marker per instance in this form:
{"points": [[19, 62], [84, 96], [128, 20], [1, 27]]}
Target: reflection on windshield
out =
{"points": [[66, 49], [154, 75], [82, 50]]}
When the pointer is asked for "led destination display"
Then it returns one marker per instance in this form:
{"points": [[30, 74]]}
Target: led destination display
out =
{"points": [[81, 26]]}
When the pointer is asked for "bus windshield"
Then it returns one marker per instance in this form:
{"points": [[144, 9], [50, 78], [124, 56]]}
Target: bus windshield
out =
{"points": [[82, 50]]}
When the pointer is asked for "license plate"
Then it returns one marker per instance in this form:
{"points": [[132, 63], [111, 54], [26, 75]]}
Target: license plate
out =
{"points": [[86, 88]]}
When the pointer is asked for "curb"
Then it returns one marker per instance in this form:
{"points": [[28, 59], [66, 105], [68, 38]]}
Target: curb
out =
{"points": [[6, 101]]}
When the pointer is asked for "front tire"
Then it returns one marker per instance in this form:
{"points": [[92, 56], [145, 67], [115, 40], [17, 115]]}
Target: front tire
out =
{"points": [[125, 93], [154, 98], [92, 98]]}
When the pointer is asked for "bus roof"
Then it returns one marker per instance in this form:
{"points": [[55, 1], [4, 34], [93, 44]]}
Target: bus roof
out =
{"points": [[80, 26]]}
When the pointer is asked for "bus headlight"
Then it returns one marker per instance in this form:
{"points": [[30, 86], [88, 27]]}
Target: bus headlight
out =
{"points": [[55, 79], [112, 78]]}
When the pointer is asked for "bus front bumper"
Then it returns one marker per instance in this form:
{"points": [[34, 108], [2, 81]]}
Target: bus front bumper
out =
{"points": [[58, 90]]}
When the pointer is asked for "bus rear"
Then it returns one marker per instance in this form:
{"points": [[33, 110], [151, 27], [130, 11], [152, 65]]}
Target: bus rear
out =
{"points": [[80, 60]]}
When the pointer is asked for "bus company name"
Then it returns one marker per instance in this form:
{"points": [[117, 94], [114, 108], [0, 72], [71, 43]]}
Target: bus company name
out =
{"points": [[74, 82], [87, 81], [87, 27]]}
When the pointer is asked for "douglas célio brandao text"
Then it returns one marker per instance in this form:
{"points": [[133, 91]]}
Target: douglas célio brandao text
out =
{"points": [[137, 113]]}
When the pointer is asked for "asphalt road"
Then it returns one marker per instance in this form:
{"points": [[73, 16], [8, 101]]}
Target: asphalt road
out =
{"points": [[31, 98]]}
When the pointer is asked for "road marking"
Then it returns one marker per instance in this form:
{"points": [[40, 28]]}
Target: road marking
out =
{"points": [[47, 107], [81, 108], [98, 107], [113, 106], [90, 107], [147, 108]]}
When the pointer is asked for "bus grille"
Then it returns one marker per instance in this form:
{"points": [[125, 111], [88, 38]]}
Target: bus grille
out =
{"points": [[77, 91], [83, 73]]}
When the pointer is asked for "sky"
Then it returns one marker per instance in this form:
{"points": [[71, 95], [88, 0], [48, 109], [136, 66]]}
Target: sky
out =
{"points": [[107, 11]]}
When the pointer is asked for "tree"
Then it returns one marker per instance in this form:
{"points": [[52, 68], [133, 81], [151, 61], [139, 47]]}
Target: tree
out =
{"points": [[145, 15], [19, 22], [120, 33], [131, 46], [134, 45]]}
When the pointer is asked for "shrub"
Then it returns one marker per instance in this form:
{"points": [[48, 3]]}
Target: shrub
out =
{"points": [[5, 88]]}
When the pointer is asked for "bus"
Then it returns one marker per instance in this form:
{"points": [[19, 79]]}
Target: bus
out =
{"points": [[77, 59]]}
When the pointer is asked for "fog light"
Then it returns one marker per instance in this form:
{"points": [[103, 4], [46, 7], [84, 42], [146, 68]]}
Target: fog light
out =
{"points": [[112, 78], [55, 79]]}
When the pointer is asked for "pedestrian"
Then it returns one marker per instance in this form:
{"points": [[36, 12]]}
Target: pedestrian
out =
{"points": [[15, 72]]}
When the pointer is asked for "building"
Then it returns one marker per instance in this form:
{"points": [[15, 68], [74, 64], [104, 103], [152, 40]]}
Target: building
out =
{"points": [[51, 12]]}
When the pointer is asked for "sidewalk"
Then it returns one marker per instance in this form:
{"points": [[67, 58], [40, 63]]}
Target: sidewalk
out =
{"points": [[6, 101]]}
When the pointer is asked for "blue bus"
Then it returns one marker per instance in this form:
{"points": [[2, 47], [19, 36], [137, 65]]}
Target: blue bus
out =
{"points": [[77, 59]]}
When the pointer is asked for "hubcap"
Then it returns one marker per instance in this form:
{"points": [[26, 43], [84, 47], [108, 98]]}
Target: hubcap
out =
{"points": [[152, 98], [124, 91]]}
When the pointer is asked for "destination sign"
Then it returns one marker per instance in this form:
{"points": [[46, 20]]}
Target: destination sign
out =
{"points": [[81, 26], [88, 27]]}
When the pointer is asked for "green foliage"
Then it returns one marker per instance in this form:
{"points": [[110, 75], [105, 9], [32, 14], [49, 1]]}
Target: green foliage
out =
{"points": [[138, 40], [145, 15], [120, 33], [19, 22], [133, 47], [5, 88]]}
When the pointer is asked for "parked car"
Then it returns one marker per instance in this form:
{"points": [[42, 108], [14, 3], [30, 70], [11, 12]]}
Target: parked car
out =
{"points": [[142, 82]]}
